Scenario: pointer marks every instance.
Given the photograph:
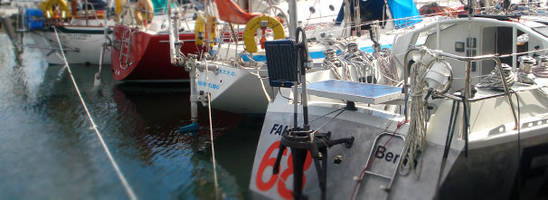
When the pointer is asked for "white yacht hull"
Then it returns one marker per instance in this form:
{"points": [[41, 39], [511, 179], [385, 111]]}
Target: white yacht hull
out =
{"points": [[495, 135], [239, 90], [235, 90], [82, 45], [489, 171]]}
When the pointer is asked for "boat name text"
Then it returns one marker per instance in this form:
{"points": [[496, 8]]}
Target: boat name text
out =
{"points": [[210, 85], [388, 156], [227, 72], [278, 129]]}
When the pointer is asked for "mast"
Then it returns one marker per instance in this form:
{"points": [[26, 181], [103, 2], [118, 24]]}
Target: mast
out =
{"points": [[292, 19], [471, 7], [357, 18]]}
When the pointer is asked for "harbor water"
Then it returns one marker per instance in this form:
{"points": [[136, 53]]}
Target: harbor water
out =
{"points": [[48, 149]]}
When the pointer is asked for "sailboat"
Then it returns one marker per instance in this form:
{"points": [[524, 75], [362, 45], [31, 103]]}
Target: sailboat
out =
{"points": [[468, 122], [81, 30], [140, 46], [238, 76]]}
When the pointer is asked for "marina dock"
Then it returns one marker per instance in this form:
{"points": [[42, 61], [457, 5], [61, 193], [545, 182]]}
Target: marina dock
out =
{"points": [[307, 99]]}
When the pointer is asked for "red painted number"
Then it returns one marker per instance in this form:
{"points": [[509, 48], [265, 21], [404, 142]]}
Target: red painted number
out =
{"points": [[269, 161]]}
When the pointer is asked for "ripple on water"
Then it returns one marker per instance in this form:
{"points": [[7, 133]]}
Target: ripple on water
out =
{"points": [[48, 150]]}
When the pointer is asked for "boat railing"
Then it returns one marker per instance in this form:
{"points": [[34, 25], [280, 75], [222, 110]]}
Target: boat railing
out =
{"points": [[415, 73], [412, 71], [486, 10], [87, 5], [466, 99]]}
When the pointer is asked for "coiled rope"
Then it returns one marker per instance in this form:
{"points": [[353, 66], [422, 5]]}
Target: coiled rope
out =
{"points": [[416, 138], [378, 65], [121, 176], [494, 81], [387, 66], [540, 71], [332, 63]]}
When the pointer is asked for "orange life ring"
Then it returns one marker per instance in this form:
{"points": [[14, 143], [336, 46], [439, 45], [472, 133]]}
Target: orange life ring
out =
{"points": [[144, 12]]}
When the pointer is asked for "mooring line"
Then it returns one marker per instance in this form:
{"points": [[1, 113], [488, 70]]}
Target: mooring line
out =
{"points": [[213, 160], [212, 147], [121, 176]]}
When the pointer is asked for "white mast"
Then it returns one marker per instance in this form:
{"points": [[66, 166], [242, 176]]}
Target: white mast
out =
{"points": [[292, 19]]}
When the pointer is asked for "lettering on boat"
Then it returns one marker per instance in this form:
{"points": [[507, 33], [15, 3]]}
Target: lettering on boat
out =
{"points": [[266, 180], [209, 85], [382, 153], [227, 72], [278, 129]]}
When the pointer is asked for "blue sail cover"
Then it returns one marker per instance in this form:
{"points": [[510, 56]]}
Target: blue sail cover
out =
{"points": [[404, 9], [373, 10]]}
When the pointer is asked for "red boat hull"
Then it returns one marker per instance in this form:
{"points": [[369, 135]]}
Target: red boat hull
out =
{"points": [[138, 55]]}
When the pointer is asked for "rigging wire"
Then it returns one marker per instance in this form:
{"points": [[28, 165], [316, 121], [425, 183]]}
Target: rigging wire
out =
{"points": [[448, 140], [121, 176], [518, 128]]}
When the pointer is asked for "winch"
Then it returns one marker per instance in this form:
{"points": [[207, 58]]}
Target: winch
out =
{"points": [[526, 64]]}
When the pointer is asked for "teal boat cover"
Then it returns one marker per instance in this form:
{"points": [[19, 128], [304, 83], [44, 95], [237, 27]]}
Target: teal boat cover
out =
{"points": [[159, 5], [405, 12]]}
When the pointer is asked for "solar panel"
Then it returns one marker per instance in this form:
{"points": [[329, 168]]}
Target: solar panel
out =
{"points": [[355, 91], [281, 61]]}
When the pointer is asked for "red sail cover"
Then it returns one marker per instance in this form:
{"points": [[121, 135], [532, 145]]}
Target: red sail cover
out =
{"points": [[229, 11]]}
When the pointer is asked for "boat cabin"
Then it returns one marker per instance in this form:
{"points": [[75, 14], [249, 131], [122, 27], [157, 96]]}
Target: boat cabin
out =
{"points": [[504, 36]]}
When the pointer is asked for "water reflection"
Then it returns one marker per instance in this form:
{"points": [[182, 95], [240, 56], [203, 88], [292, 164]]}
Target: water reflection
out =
{"points": [[156, 113], [48, 149]]}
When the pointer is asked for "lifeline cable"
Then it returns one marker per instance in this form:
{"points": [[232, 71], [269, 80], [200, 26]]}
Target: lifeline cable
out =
{"points": [[121, 176], [329, 121]]}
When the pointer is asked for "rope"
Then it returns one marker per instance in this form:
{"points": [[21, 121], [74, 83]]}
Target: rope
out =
{"points": [[213, 160], [377, 64], [325, 115], [494, 81], [331, 62], [388, 67], [540, 71], [415, 140], [212, 145], [329, 121], [266, 95], [121, 176]]}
